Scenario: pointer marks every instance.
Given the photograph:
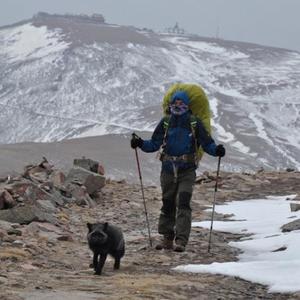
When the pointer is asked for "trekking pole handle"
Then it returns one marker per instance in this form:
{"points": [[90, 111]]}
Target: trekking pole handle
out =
{"points": [[138, 161], [134, 135]]}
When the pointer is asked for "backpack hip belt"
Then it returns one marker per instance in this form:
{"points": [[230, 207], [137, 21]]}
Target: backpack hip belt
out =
{"points": [[184, 158]]}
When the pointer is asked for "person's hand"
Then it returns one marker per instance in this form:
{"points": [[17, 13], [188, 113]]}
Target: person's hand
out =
{"points": [[220, 151], [136, 141]]}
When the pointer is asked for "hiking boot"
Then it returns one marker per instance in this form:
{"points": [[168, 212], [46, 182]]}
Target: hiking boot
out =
{"points": [[165, 244], [179, 247]]}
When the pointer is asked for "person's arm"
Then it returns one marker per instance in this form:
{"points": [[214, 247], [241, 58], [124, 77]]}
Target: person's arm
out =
{"points": [[204, 139], [156, 140]]}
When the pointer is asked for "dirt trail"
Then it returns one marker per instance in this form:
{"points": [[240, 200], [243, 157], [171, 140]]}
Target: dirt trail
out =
{"points": [[39, 266]]}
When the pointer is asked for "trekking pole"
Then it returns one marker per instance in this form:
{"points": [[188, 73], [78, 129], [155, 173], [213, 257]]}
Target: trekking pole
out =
{"points": [[214, 204], [143, 195]]}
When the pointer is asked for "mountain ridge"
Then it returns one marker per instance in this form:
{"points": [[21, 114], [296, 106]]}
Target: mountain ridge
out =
{"points": [[76, 79]]}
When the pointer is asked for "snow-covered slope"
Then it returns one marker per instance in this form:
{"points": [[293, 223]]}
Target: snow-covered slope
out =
{"points": [[63, 77]]}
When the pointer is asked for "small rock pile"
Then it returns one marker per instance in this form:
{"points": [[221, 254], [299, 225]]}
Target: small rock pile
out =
{"points": [[37, 194]]}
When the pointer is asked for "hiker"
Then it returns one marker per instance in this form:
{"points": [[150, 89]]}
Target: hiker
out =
{"points": [[178, 136]]}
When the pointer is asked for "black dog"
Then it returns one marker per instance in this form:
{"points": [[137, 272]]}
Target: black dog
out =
{"points": [[104, 239]]}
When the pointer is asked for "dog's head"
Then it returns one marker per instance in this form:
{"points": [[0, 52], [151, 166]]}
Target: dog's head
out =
{"points": [[97, 234]]}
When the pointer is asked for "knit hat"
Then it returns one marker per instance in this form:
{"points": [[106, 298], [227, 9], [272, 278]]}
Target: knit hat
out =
{"points": [[181, 95]]}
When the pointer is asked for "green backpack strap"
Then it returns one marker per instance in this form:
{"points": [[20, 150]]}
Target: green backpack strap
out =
{"points": [[166, 122], [193, 123]]}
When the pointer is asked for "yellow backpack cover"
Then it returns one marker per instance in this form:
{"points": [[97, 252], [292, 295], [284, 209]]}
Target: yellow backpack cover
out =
{"points": [[199, 104]]}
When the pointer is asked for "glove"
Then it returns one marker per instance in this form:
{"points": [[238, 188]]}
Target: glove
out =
{"points": [[136, 141], [220, 151]]}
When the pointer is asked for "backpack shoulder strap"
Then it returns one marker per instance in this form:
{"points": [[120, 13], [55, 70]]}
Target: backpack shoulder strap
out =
{"points": [[193, 123], [166, 122]]}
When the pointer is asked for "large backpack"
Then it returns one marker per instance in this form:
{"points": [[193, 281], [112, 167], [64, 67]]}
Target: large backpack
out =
{"points": [[199, 105]]}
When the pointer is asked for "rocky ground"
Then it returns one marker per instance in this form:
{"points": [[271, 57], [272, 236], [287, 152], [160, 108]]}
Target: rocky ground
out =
{"points": [[50, 260]]}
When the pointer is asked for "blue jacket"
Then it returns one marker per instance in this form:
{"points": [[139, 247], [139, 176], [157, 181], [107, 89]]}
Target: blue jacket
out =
{"points": [[179, 140]]}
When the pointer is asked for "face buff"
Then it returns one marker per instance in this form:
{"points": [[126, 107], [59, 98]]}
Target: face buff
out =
{"points": [[178, 109]]}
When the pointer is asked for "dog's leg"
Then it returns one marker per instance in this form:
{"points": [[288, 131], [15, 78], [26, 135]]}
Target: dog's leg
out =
{"points": [[95, 261], [101, 264], [117, 263]]}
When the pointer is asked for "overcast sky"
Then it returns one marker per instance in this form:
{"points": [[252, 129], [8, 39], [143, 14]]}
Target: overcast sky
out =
{"points": [[267, 22]]}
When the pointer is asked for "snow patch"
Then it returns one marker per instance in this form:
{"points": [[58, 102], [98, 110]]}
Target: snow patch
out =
{"points": [[259, 262]]}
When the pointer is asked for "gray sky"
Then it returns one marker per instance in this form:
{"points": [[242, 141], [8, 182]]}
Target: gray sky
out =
{"points": [[266, 22]]}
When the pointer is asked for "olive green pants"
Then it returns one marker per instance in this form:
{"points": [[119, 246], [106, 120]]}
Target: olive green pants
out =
{"points": [[176, 214]]}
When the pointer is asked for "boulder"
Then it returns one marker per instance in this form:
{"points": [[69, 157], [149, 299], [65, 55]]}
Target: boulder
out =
{"points": [[100, 170], [89, 164], [58, 178], [80, 194], [86, 163], [4, 225], [39, 176], [295, 206], [19, 188], [6, 200], [26, 215], [46, 227], [56, 198], [32, 192], [294, 225], [46, 205], [46, 165], [36, 173], [92, 181], [46, 186]]}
